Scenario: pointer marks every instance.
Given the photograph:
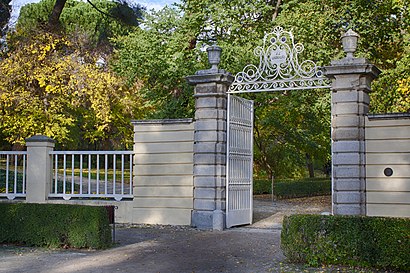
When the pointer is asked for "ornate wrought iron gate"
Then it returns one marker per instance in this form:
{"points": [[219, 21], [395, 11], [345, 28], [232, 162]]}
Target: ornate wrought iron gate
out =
{"points": [[239, 162]]}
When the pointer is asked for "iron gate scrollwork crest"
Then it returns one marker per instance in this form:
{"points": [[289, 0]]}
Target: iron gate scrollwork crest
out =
{"points": [[279, 67]]}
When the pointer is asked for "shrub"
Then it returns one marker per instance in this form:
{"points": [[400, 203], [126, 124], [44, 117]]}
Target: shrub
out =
{"points": [[55, 225], [261, 186], [302, 188], [293, 188], [348, 240]]}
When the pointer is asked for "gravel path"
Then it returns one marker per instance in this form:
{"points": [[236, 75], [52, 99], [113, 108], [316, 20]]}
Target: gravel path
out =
{"points": [[269, 213], [145, 249], [157, 249]]}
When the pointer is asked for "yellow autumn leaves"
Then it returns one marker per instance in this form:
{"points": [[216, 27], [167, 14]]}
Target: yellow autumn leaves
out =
{"points": [[404, 91], [46, 87]]}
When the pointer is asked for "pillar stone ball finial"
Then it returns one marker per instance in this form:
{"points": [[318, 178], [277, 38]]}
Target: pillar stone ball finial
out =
{"points": [[349, 41], [214, 56]]}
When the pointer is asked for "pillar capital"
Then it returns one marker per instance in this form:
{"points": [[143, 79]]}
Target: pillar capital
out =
{"points": [[348, 73], [351, 66], [202, 77], [40, 141]]}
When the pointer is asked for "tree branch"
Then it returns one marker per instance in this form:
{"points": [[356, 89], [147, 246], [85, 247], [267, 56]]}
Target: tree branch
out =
{"points": [[100, 11], [275, 14]]}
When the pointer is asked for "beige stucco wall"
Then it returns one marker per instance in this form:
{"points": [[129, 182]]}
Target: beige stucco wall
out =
{"points": [[388, 146], [163, 172]]}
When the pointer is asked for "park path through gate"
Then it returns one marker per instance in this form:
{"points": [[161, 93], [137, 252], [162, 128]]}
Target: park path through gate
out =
{"points": [[279, 69], [239, 161]]}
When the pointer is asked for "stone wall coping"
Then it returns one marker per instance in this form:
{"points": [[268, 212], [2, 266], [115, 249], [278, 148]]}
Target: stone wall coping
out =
{"points": [[389, 116], [162, 121]]}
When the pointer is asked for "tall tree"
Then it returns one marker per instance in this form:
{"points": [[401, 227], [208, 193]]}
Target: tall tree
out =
{"points": [[97, 23], [118, 10]]}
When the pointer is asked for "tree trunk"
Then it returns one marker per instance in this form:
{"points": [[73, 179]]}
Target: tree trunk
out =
{"points": [[54, 19], [309, 165], [258, 140]]}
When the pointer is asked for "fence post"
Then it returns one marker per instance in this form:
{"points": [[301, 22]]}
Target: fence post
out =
{"points": [[39, 169], [351, 80], [211, 86]]}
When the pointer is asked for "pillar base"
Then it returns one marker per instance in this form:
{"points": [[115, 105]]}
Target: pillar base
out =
{"points": [[208, 220], [347, 209]]}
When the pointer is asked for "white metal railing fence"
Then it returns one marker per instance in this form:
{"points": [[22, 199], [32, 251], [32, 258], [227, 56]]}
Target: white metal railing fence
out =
{"points": [[92, 174], [13, 166]]}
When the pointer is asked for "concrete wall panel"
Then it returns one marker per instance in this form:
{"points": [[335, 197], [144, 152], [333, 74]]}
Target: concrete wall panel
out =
{"points": [[163, 172], [388, 146]]}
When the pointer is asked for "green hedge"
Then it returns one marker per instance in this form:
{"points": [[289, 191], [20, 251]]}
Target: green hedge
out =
{"points": [[294, 188], [347, 240], [262, 186], [55, 225]]}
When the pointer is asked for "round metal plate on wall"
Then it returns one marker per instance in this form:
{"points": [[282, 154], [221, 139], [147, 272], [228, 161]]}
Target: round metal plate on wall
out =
{"points": [[388, 171]]}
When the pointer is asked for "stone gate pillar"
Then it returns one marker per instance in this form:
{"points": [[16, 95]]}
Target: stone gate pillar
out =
{"points": [[39, 168], [211, 86], [351, 79]]}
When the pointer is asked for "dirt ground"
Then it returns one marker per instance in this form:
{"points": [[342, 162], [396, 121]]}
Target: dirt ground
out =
{"points": [[141, 248], [269, 213]]}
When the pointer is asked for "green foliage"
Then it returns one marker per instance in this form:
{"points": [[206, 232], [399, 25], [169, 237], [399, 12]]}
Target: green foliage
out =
{"points": [[158, 57], [227, 20], [347, 240], [283, 189], [54, 225], [288, 128], [127, 12]]}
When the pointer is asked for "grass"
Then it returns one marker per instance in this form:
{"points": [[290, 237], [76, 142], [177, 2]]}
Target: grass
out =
{"points": [[93, 174]]}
